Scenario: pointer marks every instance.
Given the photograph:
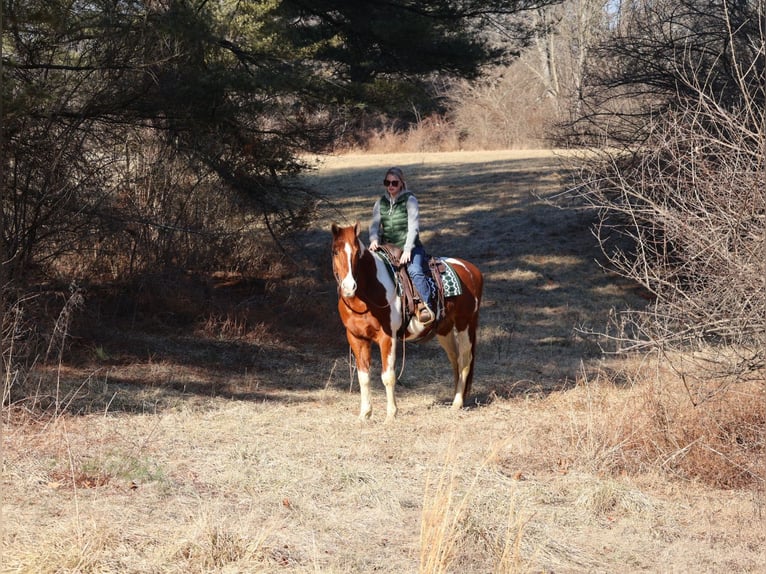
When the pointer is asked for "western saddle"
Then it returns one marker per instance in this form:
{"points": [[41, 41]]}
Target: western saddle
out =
{"points": [[410, 297]]}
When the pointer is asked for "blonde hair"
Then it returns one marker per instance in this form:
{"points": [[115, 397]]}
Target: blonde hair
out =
{"points": [[399, 174]]}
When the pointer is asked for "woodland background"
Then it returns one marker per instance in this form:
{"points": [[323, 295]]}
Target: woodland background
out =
{"points": [[145, 139]]}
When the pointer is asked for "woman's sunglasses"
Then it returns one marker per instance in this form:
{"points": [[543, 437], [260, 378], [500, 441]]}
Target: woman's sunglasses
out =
{"points": [[394, 182]]}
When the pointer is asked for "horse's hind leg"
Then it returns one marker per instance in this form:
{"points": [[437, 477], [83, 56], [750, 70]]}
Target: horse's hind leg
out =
{"points": [[450, 345], [459, 346], [467, 344]]}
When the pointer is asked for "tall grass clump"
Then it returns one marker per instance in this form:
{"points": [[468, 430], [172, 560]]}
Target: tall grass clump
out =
{"points": [[9, 342], [439, 527], [722, 444], [653, 428], [34, 344], [448, 521], [20, 346]]}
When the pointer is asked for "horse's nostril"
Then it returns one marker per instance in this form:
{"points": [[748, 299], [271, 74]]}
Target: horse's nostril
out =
{"points": [[348, 286]]}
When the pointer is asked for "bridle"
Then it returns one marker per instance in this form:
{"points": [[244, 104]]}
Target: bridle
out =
{"points": [[345, 300]]}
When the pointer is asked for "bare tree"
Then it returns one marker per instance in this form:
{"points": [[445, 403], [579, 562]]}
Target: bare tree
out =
{"points": [[683, 205], [522, 102], [566, 36]]}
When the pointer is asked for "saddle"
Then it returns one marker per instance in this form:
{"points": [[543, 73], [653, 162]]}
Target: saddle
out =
{"points": [[406, 288]]}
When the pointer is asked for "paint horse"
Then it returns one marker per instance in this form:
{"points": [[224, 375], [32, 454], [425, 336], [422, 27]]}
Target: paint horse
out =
{"points": [[372, 310]]}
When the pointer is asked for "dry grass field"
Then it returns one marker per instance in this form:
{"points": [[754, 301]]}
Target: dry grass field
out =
{"points": [[235, 446]]}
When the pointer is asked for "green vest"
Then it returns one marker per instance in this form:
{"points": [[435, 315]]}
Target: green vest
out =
{"points": [[393, 220]]}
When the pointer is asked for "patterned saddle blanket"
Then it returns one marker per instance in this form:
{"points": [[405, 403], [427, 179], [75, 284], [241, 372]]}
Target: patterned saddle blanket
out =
{"points": [[449, 278], [452, 285]]}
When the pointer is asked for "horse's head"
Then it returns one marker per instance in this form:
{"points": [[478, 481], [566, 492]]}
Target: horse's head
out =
{"points": [[346, 251]]}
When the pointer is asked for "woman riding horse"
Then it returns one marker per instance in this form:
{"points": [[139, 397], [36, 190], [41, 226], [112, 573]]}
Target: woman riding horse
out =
{"points": [[396, 220]]}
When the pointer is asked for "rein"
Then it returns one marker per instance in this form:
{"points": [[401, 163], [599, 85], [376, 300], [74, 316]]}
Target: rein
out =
{"points": [[368, 303]]}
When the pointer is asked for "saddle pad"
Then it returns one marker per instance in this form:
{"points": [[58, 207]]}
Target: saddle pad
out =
{"points": [[450, 280]]}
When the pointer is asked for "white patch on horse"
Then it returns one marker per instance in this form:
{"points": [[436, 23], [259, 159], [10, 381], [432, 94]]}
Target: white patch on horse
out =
{"points": [[414, 329], [389, 381], [394, 302], [365, 410]]}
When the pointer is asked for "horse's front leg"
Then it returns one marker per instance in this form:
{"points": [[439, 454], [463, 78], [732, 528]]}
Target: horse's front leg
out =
{"points": [[361, 349], [388, 373]]}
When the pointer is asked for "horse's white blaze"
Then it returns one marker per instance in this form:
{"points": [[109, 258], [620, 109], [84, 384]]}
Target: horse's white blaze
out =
{"points": [[348, 283]]}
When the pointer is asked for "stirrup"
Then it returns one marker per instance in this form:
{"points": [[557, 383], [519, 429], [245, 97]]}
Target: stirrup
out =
{"points": [[425, 315]]}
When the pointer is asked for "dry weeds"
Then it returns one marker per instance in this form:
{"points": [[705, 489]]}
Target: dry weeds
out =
{"points": [[241, 452]]}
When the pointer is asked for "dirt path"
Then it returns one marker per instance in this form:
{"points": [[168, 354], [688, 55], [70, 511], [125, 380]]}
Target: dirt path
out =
{"points": [[539, 262]]}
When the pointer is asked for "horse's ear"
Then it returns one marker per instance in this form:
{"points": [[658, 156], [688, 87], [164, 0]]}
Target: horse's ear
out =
{"points": [[335, 228], [357, 228]]}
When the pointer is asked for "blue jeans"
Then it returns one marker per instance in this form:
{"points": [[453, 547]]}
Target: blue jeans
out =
{"points": [[419, 271]]}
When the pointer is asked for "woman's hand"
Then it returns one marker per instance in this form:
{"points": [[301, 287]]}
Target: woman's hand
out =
{"points": [[406, 256], [374, 245]]}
